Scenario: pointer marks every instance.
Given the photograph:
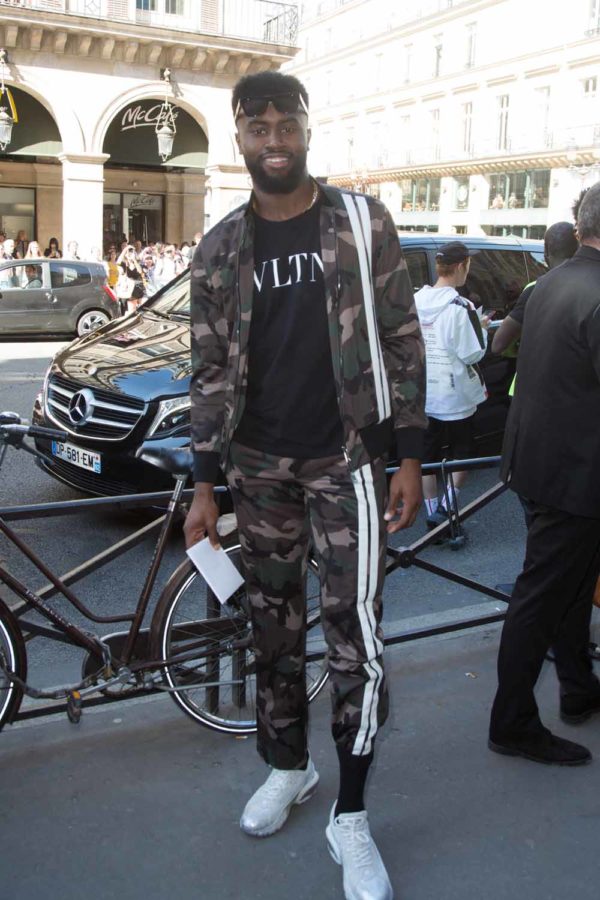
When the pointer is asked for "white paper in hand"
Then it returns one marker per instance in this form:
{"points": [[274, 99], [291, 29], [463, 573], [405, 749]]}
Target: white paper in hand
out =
{"points": [[217, 569]]}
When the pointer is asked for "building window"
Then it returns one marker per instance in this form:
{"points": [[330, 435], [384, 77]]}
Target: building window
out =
{"points": [[520, 190], [471, 45], [146, 5], [408, 50], [17, 211], [594, 23], [541, 118], [379, 71], [467, 127], [420, 194], [589, 87], [403, 148], [437, 59], [174, 7], [139, 217], [435, 133], [502, 133], [534, 232], [461, 192], [352, 80], [328, 80], [350, 148]]}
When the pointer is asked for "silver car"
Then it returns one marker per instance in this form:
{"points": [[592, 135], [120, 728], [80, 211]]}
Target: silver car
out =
{"points": [[54, 296]]}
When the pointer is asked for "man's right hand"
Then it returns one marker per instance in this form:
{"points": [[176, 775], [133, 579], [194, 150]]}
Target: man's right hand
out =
{"points": [[201, 521]]}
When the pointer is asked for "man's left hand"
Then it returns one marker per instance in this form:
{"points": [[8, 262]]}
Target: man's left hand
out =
{"points": [[406, 496]]}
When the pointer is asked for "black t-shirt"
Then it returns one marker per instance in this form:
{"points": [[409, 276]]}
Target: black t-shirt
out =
{"points": [[291, 405], [518, 311]]}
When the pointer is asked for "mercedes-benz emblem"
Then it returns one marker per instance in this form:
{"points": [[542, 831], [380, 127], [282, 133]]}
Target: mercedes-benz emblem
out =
{"points": [[81, 406]]}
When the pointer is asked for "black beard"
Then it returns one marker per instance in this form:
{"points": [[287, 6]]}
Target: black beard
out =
{"points": [[278, 184]]}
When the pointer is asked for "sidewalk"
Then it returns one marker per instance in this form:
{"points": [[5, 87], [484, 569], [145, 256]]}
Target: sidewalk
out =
{"points": [[140, 803]]}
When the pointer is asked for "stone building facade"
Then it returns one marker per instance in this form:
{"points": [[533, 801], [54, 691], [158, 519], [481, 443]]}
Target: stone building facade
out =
{"points": [[87, 77], [477, 116]]}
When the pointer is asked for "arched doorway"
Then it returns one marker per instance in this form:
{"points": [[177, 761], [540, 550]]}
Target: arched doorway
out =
{"points": [[146, 199], [27, 191]]}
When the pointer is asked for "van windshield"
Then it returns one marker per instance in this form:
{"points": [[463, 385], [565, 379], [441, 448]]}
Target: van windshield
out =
{"points": [[174, 299]]}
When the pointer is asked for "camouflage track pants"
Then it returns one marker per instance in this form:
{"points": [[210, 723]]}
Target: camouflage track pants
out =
{"points": [[280, 504]]}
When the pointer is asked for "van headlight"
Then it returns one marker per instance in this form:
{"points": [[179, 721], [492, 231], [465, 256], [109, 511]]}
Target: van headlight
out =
{"points": [[172, 416]]}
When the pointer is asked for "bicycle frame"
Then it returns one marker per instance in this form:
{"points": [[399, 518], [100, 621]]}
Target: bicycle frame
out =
{"points": [[68, 632]]}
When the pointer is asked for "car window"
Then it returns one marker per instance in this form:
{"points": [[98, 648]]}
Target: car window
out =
{"points": [[175, 298], [12, 276], [536, 264], [418, 269], [496, 279], [68, 274]]}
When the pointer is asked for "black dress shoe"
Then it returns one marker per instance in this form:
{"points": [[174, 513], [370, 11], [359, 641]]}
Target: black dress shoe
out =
{"points": [[544, 748], [575, 709]]}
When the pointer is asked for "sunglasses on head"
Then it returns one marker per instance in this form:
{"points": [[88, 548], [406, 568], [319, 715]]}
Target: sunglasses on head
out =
{"points": [[291, 102]]}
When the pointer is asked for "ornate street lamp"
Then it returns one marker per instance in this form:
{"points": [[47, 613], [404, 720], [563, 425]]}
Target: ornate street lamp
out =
{"points": [[165, 124], [7, 118]]}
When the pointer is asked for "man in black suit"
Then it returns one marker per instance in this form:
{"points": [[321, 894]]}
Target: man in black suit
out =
{"points": [[552, 455]]}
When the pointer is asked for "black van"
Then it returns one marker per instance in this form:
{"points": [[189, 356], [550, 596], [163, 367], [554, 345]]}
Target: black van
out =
{"points": [[126, 385]]}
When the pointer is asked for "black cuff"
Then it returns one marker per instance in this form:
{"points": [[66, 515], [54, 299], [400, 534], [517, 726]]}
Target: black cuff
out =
{"points": [[409, 443], [206, 466]]}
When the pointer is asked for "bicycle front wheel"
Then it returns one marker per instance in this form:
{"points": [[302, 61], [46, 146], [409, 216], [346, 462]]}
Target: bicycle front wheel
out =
{"points": [[212, 671], [13, 658]]}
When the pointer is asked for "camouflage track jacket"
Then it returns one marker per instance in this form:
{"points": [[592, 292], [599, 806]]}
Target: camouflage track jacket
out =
{"points": [[376, 345]]}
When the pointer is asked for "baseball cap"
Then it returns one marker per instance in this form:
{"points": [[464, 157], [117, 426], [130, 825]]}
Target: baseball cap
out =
{"points": [[453, 252]]}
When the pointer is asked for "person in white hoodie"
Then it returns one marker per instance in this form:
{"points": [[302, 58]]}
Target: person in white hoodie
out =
{"points": [[454, 343]]}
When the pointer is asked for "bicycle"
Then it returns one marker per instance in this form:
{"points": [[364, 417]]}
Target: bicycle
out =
{"points": [[197, 650]]}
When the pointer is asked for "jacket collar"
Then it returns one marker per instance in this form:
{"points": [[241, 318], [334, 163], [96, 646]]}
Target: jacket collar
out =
{"points": [[586, 252]]}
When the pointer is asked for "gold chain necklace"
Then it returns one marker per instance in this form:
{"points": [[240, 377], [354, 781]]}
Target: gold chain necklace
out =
{"points": [[313, 200]]}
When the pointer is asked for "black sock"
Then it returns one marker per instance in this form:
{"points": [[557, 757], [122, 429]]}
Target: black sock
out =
{"points": [[353, 775]]}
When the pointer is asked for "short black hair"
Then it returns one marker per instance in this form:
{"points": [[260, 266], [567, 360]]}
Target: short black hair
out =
{"points": [[560, 241], [264, 83], [577, 204]]}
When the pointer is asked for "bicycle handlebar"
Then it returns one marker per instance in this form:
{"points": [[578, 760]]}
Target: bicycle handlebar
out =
{"points": [[32, 431]]}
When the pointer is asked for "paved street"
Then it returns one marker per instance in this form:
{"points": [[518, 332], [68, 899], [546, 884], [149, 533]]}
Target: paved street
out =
{"points": [[138, 802]]}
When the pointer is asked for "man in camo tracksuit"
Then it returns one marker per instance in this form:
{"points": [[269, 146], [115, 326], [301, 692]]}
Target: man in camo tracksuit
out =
{"points": [[308, 364]]}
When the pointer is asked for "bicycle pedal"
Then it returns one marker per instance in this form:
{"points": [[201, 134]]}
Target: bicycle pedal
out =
{"points": [[74, 707]]}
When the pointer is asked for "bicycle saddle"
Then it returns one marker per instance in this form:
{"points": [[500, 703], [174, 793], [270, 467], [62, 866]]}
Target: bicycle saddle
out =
{"points": [[175, 461]]}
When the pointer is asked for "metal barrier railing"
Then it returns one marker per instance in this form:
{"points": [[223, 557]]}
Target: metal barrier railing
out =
{"points": [[398, 557]]}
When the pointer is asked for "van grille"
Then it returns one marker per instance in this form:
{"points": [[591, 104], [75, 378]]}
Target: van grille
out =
{"points": [[113, 416]]}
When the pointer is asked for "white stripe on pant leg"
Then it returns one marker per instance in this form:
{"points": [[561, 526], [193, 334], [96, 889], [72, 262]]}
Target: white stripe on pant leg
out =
{"points": [[373, 584], [366, 587], [374, 554]]}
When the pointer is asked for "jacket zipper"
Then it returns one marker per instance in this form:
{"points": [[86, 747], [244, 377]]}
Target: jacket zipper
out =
{"points": [[229, 436]]}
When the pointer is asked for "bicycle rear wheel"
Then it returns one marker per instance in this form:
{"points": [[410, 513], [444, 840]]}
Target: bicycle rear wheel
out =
{"points": [[215, 671], [13, 657]]}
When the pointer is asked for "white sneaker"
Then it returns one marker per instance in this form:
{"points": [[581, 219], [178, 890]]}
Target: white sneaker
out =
{"points": [[267, 810], [352, 847]]}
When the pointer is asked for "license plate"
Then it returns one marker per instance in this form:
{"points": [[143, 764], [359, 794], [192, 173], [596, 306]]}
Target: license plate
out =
{"points": [[85, 459]]}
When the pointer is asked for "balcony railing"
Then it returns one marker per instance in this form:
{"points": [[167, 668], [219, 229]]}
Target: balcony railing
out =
{"points": [[265, 21], [566, 140]]}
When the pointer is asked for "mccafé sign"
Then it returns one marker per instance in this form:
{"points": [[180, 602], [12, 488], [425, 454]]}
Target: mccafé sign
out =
{"points": [[129, 140], [141, 116]]}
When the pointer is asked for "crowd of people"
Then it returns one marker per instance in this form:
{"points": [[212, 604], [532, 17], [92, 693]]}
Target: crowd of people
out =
{"points": [[134, 270]]}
